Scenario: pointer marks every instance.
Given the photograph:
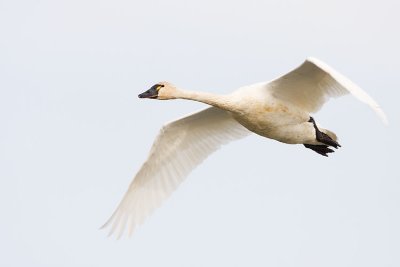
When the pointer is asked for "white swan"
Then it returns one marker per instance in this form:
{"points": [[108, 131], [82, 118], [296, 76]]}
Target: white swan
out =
{"points": [[279, 110]]}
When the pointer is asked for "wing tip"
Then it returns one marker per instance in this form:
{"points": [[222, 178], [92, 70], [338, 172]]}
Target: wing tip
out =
{"points": [[367, 99], [383, 116], [106, 224]]}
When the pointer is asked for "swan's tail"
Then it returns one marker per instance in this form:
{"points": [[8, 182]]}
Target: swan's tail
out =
{"points": [[328, 138], [332, 135], [325, 138]]}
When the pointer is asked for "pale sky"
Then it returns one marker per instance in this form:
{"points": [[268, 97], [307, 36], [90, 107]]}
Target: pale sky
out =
{"points": [[73, 133]]}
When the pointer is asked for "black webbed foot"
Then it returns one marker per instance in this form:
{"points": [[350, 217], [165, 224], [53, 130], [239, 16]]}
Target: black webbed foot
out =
{"points": [[320, 149]]}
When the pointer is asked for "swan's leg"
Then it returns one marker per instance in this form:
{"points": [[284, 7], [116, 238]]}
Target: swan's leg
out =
{"points": [[323, 137], [320, 149]]}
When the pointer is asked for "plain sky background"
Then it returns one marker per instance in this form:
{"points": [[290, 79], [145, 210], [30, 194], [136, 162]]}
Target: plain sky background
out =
{"points": [[73, 133]]}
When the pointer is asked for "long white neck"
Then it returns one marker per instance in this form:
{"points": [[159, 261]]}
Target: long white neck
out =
{"points": [[219, 101]]}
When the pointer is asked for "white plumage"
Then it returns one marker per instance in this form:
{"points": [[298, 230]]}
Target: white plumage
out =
{"points": [[314, 82], [279, 109], [179, 147]]}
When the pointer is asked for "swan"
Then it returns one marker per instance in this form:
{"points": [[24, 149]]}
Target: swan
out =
{"points": [[279, 110]]}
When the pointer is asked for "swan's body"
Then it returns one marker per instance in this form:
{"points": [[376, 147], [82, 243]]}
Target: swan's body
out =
{"points": [[273, 118], [278, 110]]}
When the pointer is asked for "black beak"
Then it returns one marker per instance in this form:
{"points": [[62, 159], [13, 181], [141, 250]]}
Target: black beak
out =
{"points": [[151, 93]]}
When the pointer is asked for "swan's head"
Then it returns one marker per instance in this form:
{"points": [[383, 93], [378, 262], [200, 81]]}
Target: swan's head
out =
{"points": [[161, 90]]}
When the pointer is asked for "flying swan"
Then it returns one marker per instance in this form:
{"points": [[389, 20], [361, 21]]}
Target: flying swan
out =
{"points": [[279, 110]]}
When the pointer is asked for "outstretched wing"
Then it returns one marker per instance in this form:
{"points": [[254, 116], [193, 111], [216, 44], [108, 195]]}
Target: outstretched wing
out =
{"points": [[310, 85], [179, 147]]}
